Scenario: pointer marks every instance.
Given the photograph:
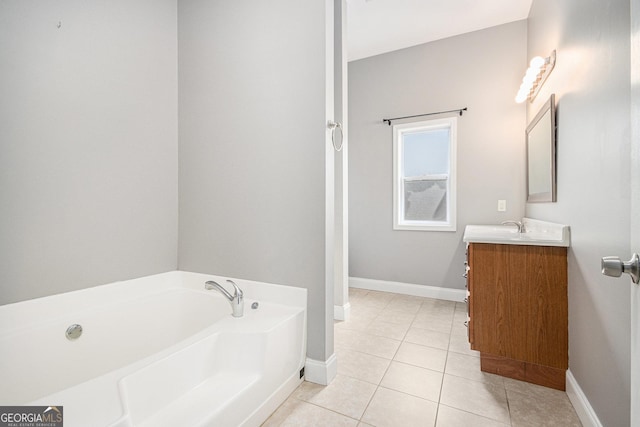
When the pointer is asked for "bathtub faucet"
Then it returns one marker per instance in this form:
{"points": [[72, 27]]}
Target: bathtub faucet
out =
{"points": [[236, 300]]}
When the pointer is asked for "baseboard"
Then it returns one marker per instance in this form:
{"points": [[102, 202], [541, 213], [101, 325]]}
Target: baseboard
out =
{"points": [[320, 372], [342, 312], [580, 403], [408, 289]]}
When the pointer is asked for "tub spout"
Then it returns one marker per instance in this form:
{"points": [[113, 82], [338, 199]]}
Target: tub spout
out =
{"points": [[236, 300]]}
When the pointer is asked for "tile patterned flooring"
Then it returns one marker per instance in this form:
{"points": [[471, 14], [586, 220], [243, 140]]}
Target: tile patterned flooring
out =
{"points": [[405, 361]]}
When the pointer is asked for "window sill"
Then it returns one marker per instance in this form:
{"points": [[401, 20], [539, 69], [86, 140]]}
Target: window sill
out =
{"points": [[425, 227]]}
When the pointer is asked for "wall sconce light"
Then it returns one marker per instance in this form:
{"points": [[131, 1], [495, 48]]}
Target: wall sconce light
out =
{"points": [[538, 71]]}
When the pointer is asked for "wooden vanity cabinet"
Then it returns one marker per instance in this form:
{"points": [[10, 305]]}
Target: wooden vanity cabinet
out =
{"points": [[518, 316]]}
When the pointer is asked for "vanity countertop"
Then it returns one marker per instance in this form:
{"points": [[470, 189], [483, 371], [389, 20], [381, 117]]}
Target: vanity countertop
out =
{"points": [[536, 233]]}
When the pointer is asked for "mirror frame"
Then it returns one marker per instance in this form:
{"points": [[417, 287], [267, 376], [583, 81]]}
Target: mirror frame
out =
{"points": [[550, 196]]}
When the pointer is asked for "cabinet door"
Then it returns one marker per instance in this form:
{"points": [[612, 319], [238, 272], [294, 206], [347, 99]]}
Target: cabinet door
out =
{"points": [[539, 274], [488, 278], [519, 298]]}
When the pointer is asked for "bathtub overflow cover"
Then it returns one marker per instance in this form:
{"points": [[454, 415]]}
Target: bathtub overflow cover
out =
{"points": [[73, 332]]}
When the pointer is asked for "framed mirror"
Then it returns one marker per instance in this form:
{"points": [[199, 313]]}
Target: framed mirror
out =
{"points": [[541, 154]]}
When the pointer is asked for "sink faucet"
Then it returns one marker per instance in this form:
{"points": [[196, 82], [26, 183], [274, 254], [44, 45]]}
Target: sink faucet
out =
{"points": [[516, 223], [236, 300]]}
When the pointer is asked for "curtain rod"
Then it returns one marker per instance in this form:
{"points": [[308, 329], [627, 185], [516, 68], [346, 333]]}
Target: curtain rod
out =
{"points": [[459, 110]]}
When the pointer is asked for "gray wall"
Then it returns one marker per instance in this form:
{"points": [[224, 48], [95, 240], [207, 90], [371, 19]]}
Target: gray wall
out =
{"points": [[480, 70], [341, 254], [591, 81], [88, 144], [253, 149]]}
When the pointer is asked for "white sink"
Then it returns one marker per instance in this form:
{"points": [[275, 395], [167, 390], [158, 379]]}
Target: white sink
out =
{"points": [[536, 233]]}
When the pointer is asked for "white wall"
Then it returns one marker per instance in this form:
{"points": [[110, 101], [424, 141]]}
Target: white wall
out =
{"points": [[88, 143], [253, 150], [591, 81], [480, 70]]}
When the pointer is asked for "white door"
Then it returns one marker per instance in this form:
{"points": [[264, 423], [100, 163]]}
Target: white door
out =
{"points": [[635, 354], [613, 266], [635, 247], [635, 208], [610, 266]]}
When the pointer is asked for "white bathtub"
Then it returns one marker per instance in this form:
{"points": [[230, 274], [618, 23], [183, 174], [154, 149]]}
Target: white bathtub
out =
{"points": [[155, 351]]}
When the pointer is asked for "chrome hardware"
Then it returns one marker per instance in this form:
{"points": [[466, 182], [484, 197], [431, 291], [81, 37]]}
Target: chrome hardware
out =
{"points": [[236, 300], [517, 223], [467, 302], [254, 306], [612, 266], [73, 332], [465, 275], [333, 126]]}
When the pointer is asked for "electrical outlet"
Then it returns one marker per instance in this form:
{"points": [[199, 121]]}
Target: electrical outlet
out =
{"points": [[502, 205]]}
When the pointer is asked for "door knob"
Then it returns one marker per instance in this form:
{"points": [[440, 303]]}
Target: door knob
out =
{"points": [[612, 266]]}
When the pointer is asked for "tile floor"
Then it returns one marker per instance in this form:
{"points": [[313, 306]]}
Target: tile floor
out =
{"points": [[405, 361]]}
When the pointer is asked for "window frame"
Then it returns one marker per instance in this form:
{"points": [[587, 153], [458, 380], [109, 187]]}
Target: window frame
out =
{"points": [[398, 172]]}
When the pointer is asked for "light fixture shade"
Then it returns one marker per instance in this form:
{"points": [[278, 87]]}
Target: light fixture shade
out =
{"points": [[537, 62], [538, 71]]}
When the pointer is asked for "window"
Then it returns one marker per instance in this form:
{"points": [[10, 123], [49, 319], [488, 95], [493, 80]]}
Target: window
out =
{"points": [[424, 188]]}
